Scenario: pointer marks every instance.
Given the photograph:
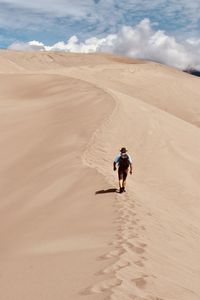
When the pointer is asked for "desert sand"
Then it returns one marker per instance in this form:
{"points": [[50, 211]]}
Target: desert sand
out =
{"points": [[64, 233]]}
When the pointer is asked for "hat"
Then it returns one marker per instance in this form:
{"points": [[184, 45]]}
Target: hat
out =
{"points": [[123, 150]]}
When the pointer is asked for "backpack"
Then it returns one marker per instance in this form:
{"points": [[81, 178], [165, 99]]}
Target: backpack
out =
{"points": [[124, 162]]}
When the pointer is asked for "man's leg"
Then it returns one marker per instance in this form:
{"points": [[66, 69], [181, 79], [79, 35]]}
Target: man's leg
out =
{"points": [[125, 173], [120, 175], [124, 183], [121, 189], [120, 183]]}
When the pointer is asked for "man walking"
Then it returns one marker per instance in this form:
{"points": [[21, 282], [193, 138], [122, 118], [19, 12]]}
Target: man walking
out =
{"points": [[124, 161]]}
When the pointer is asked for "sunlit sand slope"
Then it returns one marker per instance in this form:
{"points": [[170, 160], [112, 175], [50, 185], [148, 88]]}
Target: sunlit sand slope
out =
{"points": [[63, 119]]}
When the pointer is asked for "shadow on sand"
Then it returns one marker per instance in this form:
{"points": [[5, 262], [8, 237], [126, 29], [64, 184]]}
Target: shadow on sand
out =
{"points": [[106, 191]]}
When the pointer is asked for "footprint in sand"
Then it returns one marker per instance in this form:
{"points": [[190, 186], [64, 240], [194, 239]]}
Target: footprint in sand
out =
{"points": [[134, 222], [142, 227], [138, 250], [139, 263], [135, 236], [131, 227], [115, 267], [105, 285], [101, 287], [140, 282], [143, 245], [144, 258], [111, 254], [149, 214]]}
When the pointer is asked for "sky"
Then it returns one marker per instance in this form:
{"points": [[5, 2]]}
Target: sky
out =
{"points": [[167, 31]]}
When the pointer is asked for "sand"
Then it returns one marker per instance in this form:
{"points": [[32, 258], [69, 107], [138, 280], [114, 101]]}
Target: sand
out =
{"points": [[64, 232]]}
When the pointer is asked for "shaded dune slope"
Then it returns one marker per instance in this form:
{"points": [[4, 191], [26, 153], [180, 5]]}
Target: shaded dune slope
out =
{"points": [[87, 107], [51, 227]]}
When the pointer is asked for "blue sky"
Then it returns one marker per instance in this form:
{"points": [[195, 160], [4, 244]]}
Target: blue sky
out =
{"points": [[52, 21]]}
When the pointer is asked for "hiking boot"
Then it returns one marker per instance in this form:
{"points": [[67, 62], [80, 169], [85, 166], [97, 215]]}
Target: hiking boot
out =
{"points": [[121, 190], [124, 189]]}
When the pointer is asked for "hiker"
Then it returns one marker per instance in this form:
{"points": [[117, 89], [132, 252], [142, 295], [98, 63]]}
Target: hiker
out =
{"points": [[123, 160]]}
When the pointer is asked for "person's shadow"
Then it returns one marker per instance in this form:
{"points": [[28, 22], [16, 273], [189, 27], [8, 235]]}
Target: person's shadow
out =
{"points": [[106, 191]]}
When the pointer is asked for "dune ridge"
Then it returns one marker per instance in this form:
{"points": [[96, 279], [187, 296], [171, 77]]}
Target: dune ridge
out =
{"points": [[141, 245], [132, 272]]}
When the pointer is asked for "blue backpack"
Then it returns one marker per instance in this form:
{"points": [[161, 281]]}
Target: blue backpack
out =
{"points": [[124, 162]]}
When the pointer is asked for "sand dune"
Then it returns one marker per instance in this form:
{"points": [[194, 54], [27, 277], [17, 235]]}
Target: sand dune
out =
{"points": [[63, 119]]}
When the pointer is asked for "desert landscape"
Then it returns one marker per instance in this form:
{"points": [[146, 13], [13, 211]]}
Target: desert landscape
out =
{"points": [[64, 232]]}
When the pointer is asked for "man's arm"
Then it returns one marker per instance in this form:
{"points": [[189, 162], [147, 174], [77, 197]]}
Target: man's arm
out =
{"points": [[131, 168], [131, 164], [115, 162]]}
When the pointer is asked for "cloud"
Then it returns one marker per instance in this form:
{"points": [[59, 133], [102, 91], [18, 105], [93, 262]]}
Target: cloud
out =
{"points": [[30, 46], [141, 41], [57, 8], [107, 15]]}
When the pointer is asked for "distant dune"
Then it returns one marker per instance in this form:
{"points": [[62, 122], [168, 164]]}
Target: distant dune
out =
{"points": [[64, 117]]}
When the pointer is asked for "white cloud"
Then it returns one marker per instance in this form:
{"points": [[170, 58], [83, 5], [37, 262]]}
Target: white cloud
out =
{"points": [[90, 45], [141, 41], [30, 46]]}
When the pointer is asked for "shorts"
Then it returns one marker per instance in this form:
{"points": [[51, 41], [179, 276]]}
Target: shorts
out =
{"points": [[122, 174]]}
